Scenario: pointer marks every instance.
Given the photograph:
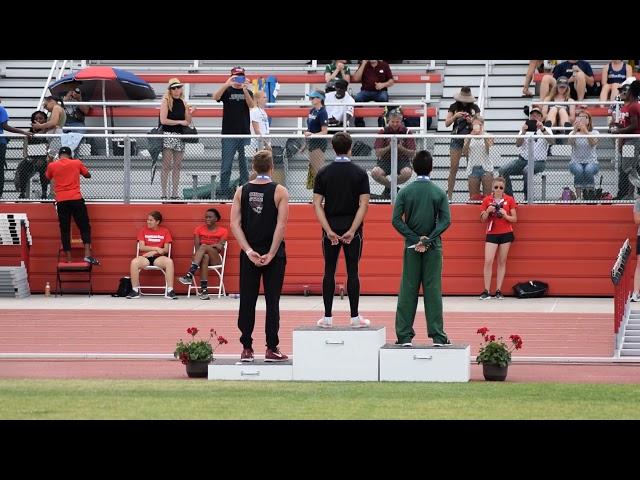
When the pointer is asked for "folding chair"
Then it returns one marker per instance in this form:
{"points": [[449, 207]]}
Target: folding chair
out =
{"points": [[153, 267], [219, 269], [76, 271]]}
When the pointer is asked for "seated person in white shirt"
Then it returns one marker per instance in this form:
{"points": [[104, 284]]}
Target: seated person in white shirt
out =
{"points": [[531, 128], [336, 113]]}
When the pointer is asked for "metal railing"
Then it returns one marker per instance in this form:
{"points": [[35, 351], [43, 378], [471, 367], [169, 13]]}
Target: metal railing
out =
{"points": [[623, 283]]}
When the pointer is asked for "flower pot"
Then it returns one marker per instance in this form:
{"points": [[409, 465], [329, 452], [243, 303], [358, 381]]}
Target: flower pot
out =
{"points": [[198, 369], [494, 373]]}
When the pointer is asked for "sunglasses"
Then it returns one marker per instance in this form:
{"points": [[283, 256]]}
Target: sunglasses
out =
{"points": [[176, 88], [498, 187]]}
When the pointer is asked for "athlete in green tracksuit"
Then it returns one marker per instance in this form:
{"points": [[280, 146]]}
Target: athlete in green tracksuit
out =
{"points": [[425, 209]]}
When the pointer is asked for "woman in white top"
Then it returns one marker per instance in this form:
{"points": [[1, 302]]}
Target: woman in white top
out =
{"points": [[479, 164], [584, 157], [260, 123]]}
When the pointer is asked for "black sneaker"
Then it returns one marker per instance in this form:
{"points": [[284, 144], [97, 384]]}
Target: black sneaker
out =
{"points": [[134, 294], [186, 279], [498, 295], [171, 295], [204, 294], [446, 343], [404, 344], [485, 295], [92, 260]]}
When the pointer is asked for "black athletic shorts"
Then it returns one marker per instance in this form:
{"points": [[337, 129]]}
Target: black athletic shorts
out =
{"points": [[500, 238]]}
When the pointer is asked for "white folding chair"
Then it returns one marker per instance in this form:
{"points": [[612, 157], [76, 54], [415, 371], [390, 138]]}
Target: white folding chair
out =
{"points": [[153, 267], [219, 269]]}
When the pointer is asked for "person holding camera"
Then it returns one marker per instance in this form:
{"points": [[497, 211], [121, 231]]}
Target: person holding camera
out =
{"points": [[479, 164], [535, 132], [584, 155], [460, 114], [174, 115], [237, 101], [498, 211]]}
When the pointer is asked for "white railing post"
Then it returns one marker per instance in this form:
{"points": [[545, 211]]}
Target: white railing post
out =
{"points": [[127, 170], [46, 85], [394, 168]]}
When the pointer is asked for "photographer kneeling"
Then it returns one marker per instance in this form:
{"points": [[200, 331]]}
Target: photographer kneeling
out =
{"points": [[499, 210]]}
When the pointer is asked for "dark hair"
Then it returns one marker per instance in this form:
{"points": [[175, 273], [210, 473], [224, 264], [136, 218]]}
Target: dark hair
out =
{"points": [[262, 161], [157, 215], [634, 88], [422, 163], [341, 142], [33, 115], [216, 213]]}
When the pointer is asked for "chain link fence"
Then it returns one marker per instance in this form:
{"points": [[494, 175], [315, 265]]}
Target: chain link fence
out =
{"points": [[143, 168]]}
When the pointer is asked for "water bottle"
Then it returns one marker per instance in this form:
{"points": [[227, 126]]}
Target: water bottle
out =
{"points": [[47, 290]]}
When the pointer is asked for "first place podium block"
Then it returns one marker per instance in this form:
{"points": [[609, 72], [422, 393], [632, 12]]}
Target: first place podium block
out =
{"points": [[425, 363], [233, 369], [338, 353]]}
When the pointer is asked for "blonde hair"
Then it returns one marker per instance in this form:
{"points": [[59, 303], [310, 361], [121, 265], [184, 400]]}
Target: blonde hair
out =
{"points": [[478, 117], [554, 91], [499, 180], [167, 95]]}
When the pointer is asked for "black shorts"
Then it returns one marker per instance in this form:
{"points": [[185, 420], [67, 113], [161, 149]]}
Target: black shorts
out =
{"points": [[317, 143], [152, 259], [500, 238], [638, 245], [386, 165], [456, 143]]}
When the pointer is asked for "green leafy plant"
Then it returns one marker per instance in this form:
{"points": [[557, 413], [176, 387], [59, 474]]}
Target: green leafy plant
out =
{"points": [[198, 350], [495, 350]]}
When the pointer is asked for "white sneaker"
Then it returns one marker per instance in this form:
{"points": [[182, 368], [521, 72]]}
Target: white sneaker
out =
{"points": [[635, 297], [324, 322], [360, 322]]}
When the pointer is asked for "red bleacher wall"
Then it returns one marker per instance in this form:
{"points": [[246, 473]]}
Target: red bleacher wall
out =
{"points": [[572, 247]]}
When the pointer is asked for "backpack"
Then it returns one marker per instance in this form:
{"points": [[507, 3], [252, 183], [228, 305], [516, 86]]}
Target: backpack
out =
{"points": [[124, 287], [530, 289]]}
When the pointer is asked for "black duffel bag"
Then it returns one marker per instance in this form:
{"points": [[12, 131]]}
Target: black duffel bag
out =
{"points": [[530, 289]]}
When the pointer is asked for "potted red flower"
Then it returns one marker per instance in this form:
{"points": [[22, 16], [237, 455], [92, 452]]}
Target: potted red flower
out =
{"points": [[495, 354], [197, 354]]}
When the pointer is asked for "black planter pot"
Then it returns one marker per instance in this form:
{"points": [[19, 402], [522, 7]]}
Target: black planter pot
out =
{"points": [[198, 368], [494, 373]]}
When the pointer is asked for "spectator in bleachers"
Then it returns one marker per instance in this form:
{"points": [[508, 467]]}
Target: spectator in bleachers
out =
{"points": [[406, 152], [540, 136], [57, 119], [628, 123], [317, 124], [208, 241], [260, 123], [75, 113], [635, 296], [336, 113], [498, 210], [154, 242], [479, 164], [533, 66], [65, 174], [376, 78], [559, 115], [34, 163], [459, 115], [4, 125], [237, 101], [175, 114], [613, 75], [337, 69], [580, 79], [584, 157]]}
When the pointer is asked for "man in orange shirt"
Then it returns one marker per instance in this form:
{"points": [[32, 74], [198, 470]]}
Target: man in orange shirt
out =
{"points": [[65, 174]]}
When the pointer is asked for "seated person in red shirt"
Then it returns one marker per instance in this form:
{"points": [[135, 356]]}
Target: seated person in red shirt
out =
{"points": [[65, 174], [154, 242], [208, 240], [406, 152]]}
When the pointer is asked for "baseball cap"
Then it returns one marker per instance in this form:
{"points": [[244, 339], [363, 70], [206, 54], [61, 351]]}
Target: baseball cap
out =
{"points": [[64, 150], [628, 81], [237, 71], [316, 94], [535, 109], [341, 83], [563, 81], [77, 89]]}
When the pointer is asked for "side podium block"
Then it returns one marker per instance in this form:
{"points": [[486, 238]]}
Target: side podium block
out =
{"points": [[425, 363], [338, 353], [233, 369]]}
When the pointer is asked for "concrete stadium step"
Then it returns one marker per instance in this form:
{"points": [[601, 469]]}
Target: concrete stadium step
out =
{"points": [[494, 80], [494, 92], [480, 70], [630, 353]]}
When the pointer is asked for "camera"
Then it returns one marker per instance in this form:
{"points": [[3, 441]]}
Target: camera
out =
{"points": [[497, 205], [239, 79]]}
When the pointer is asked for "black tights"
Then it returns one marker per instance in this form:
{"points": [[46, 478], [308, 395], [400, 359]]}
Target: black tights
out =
{"points": [[352, 253]]}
